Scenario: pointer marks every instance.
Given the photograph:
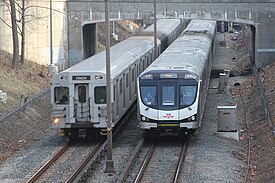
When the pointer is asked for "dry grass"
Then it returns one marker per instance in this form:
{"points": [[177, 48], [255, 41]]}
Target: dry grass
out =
{"points": [[28, 79]]}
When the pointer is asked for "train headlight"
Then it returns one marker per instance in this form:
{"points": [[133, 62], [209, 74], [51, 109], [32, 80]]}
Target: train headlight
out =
{"points": [[143, 118], [192, 118], [56, 120]]}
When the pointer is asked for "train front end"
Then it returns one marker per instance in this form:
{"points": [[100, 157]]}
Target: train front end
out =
{"points": [[79, 104], [168, 101]]}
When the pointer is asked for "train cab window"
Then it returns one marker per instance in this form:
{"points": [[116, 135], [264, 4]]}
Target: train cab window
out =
{"points": [[61, 95], [100, 95], [187, 95], [168, 95], [148, 95]]}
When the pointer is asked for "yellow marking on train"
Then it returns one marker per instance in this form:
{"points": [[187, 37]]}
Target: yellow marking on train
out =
{"points": [[61, 133], [168, 124]]}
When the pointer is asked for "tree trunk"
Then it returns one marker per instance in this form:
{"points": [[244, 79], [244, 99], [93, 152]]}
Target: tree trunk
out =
{"points": [[23, 34], [15, 57]]}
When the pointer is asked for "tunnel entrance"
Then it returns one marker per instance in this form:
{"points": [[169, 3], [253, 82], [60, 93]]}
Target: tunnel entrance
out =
{"points": [[89, 40]]}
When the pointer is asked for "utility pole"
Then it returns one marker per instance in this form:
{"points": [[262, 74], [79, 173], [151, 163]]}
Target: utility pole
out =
{"points": [[155, 28], [109, 161], [51, 33]]}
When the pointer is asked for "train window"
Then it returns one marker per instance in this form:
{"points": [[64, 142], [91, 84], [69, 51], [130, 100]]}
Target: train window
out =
{"points": [[123, 90], [117, 99], [187, 95], [127, 80], [148, 95], [168, 95], [120, 86], [82, 94], [61, 95], [133, 75], [144, 63], [100, 95]]}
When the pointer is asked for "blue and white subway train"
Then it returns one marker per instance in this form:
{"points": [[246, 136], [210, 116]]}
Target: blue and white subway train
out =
{"points": [[78, 94], [172, 90]]}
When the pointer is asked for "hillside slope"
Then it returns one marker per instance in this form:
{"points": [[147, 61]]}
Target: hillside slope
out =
{"points": [[29, 80]]}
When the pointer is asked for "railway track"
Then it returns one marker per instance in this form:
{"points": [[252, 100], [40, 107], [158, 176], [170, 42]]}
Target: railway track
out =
{"points": [[86, 155], [150, 154], [82, 165]]}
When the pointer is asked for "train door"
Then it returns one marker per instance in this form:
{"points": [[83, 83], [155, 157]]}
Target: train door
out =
{"points": [[81, 103], [168, 92]]}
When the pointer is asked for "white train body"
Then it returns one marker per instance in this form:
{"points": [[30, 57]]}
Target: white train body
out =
{"points": [[78, 94], [172, 90]]}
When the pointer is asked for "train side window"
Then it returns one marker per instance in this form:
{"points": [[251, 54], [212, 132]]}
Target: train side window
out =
{"points": [[133, 75], [120, 86], [127, 80], [61, 95], [100, 95], [144, 63], [117, 99]]}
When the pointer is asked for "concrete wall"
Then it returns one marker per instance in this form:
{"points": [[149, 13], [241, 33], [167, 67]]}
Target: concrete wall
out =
{"points": [[38, 32], [258, 13], [70, 16]]}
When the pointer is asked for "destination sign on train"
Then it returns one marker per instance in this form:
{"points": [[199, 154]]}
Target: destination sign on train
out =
{"points": [[168, 75], [81, 78]]}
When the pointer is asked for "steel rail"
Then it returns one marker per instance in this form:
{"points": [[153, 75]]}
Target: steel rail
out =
{"points": [[181, 159], [91, 156], [48, 163], [133, 157], [84, 172], [145, 163]]}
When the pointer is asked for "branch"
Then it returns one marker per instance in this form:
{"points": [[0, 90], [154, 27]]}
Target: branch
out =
{"points": [[5, 22], [35, 6]]}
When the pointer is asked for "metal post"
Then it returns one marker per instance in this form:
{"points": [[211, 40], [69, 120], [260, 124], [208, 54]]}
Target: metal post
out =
{"points": [[222, 83], [155, 28], [109, 161], [51, 32]]}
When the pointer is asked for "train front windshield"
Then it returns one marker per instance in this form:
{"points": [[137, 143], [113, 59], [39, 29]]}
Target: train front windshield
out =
{"points": [[61, 95], [168, 93]]}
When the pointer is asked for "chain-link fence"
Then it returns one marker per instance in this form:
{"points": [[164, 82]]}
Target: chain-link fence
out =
{"points": [[24, 102]]}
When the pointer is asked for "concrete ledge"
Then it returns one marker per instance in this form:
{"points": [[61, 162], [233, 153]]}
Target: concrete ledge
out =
{"points": [[228, 135]]}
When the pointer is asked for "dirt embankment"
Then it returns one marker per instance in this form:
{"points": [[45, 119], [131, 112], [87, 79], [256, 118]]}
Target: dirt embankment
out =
{"points": [[28, 80]]}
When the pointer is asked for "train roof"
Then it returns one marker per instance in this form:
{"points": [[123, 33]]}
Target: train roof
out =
{"points": [[189, 51], [122, 55], [201, 26], [126, 52], [164, 28]]}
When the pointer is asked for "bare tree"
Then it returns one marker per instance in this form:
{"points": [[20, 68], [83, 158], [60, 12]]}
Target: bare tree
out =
{"points": [[15, 56], [23, 23], [20, 8]]}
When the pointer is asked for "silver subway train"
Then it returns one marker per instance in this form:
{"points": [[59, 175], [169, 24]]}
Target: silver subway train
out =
{"points": [[172, 90], [78, 94]]}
